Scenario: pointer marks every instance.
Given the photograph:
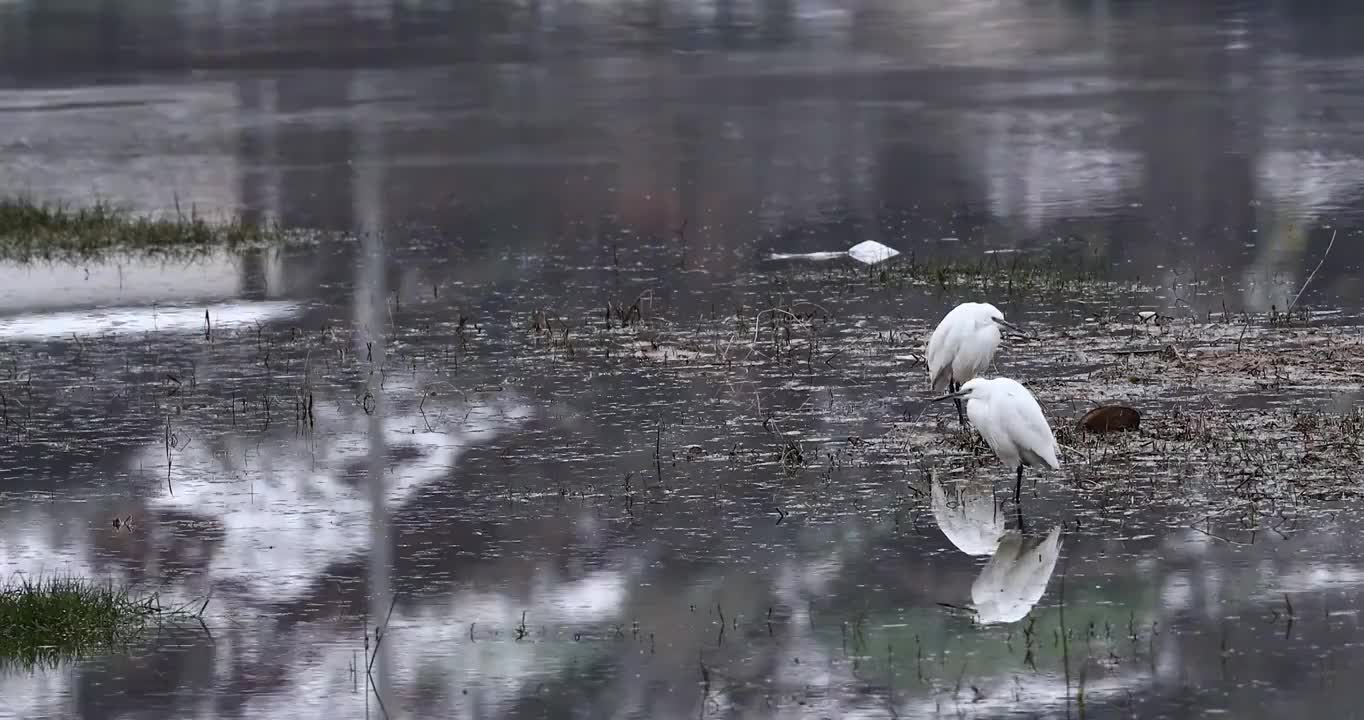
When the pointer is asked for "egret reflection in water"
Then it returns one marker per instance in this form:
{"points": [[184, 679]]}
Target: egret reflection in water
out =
{"points": [[969, 516], [1016, 577], [1020, 566]]}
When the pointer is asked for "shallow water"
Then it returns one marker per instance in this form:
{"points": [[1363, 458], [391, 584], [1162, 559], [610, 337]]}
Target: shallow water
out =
{"points": [[706, 507]]}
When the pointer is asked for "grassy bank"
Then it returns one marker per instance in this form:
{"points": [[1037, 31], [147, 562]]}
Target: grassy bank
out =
{"points": [[72, 617], [35, 231]]}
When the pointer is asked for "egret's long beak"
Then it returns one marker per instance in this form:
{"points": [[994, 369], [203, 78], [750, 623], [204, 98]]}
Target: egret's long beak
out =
{"points": [[959, 609], [949, 396], [1010, 326]]}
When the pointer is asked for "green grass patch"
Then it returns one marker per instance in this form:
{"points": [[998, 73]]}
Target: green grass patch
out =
{"points": [[1006, 275], [58, 618], [990, 272], [33, 231]]}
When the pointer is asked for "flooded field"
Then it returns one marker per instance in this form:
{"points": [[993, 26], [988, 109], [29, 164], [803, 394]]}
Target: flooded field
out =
{"points": [[640, 457]]}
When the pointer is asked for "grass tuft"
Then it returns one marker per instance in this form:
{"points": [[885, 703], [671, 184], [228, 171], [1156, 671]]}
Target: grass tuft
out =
{"points": [[33, 231], [46, 620], [990, 272], [995, 274]]}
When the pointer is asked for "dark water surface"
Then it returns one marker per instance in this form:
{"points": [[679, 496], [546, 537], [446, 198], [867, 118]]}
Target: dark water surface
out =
{"points": [[661, 517]]}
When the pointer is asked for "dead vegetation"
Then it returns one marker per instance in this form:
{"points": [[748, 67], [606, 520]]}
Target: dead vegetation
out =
{"points": [[1232, 407], [1224, 357], [1256, 416], [1232, 414], [786, 334]]}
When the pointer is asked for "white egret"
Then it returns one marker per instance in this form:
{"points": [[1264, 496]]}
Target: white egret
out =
{"points": [[1011, 422], [962, 346]]}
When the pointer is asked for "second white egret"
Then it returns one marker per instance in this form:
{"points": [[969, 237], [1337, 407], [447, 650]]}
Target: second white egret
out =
{"points": [[1009, 419], [963, 345]]}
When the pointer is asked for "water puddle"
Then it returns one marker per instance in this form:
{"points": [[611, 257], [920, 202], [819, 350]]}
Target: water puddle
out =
{"points": [[646, 383]]}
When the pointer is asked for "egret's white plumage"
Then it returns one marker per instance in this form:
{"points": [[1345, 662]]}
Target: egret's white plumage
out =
{"points": [[1011, 422], [1009, 418], [963, 346]]}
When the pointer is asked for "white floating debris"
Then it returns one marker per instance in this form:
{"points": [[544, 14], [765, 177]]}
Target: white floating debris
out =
{"points": [[807, 256], [868, 252], [871, 252]]}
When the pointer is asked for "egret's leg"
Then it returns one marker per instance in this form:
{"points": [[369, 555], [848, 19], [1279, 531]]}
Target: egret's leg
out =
{"points": [[1018, 485], [961, 406]]}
